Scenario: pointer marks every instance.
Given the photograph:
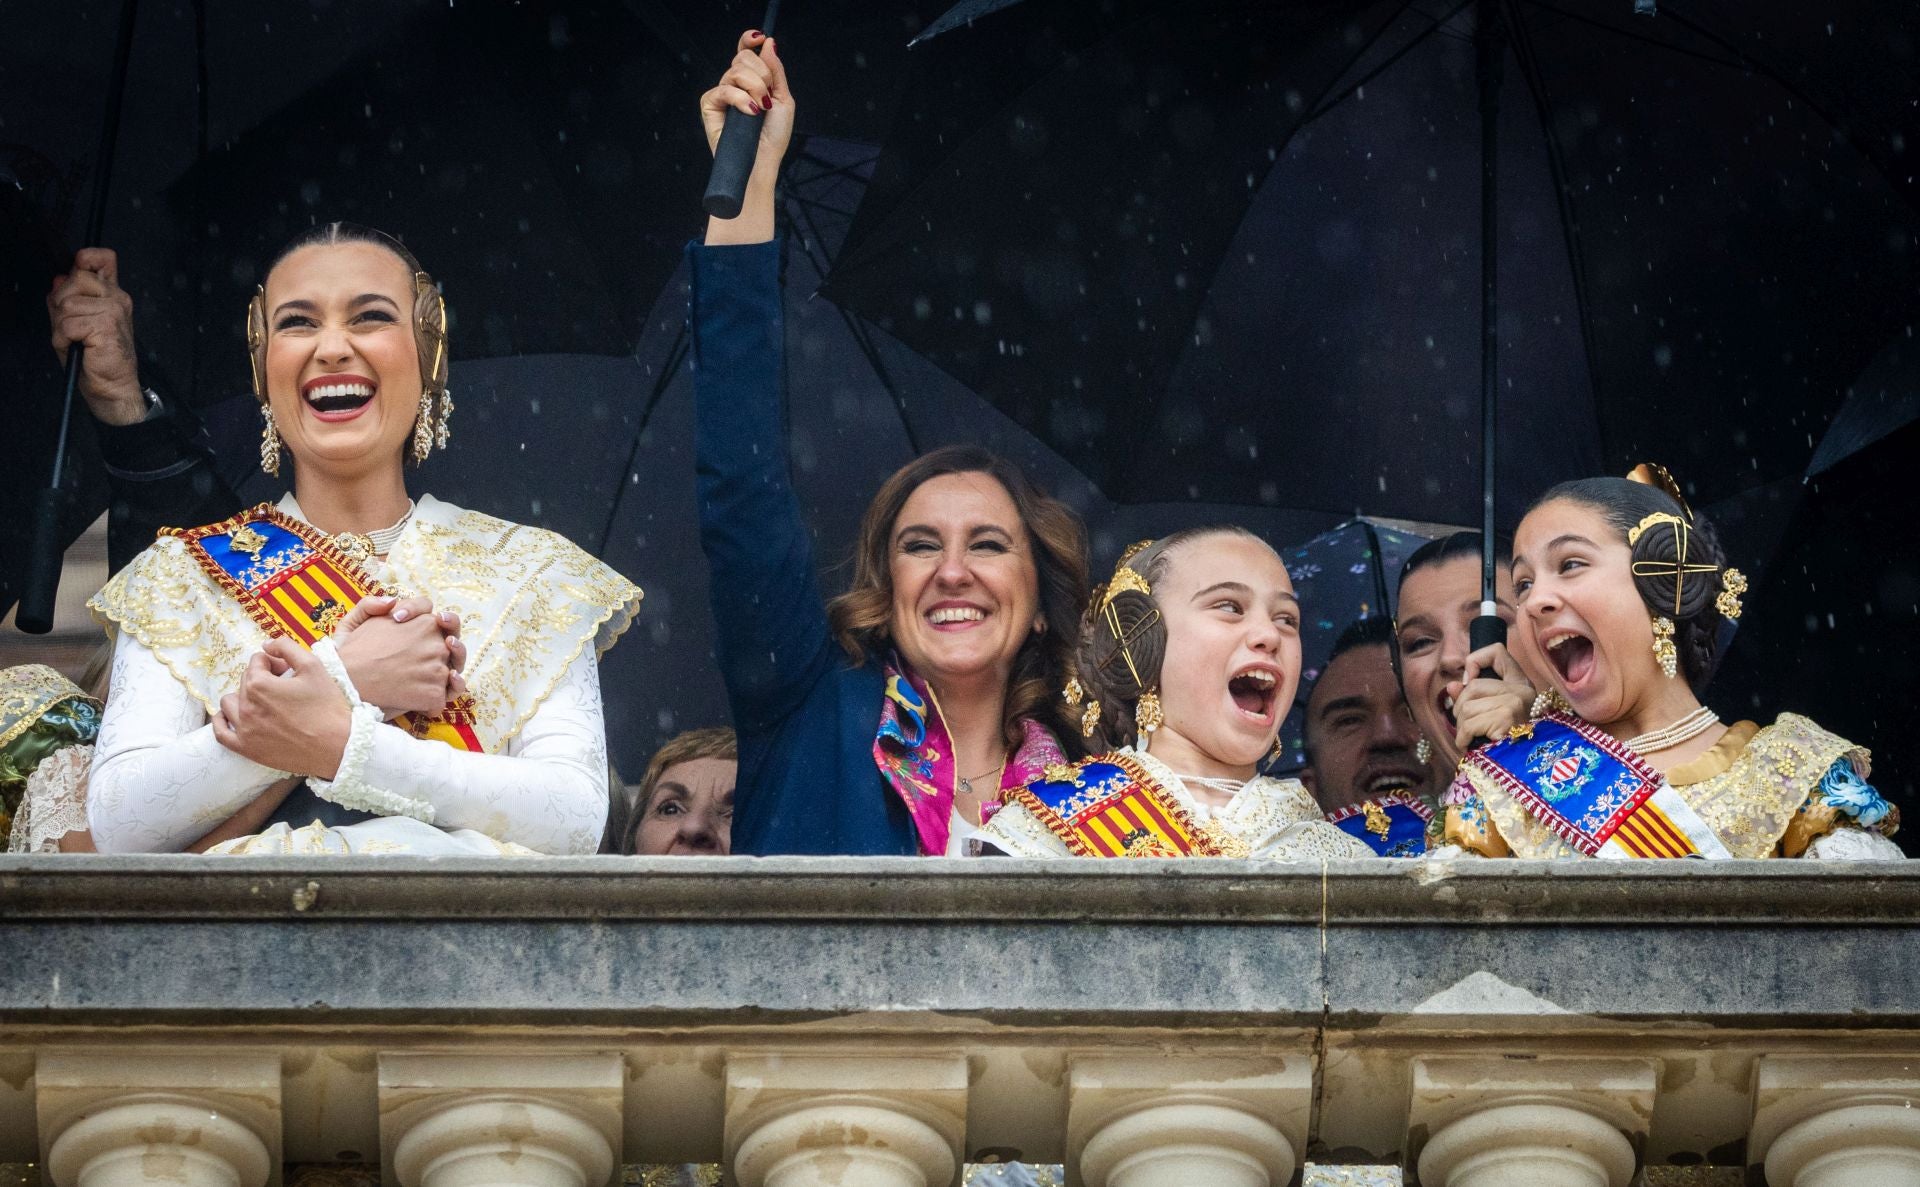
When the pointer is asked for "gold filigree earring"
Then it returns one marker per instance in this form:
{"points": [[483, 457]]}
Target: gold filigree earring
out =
{"points": [[269, 443], [423, 428], [1278, 752], [1423, 751], [1148, 716], [1090, 719], [1073, 693], [1664, 652]]}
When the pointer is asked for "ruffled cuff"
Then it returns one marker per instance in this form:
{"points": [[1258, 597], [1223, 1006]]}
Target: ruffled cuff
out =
{"points": [[349, 787], [329, 657]]}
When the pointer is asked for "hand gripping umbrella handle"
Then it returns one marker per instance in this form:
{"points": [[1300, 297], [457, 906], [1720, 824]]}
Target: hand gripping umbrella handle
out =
{"points": [[732, 164], [739, 143], [1484, 631]]}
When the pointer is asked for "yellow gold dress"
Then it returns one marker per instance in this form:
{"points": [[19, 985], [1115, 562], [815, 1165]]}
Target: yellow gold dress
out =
{"points": [[1790, 789]]}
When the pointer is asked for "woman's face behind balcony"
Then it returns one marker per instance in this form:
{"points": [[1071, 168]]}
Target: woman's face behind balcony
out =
{"points": [[691, 811]]}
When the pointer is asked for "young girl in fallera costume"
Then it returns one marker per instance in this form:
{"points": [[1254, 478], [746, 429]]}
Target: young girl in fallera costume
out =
{"points": [[1623, 588], [1187, 663]]}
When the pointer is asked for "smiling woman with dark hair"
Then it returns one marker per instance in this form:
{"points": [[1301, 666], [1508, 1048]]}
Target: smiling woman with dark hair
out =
{"points": [[892, 721], [242, 690]]}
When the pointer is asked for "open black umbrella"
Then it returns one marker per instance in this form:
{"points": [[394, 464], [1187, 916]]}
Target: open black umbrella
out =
{"points": [[1205, 247]]}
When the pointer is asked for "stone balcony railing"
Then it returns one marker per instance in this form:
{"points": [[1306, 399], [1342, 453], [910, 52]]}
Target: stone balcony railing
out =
{"points": [[871, 1023]]}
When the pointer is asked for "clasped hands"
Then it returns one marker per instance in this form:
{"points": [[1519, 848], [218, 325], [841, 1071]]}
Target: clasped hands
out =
{"points": [[289, 714]]}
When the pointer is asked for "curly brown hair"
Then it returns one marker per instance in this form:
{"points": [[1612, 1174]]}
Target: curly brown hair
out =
{"points": [[862, 617], [1115, 674]]}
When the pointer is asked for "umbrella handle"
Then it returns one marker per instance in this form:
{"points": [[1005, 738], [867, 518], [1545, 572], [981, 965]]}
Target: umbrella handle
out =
{"points": [[732, 164], [35, 615], [1486, 630]]}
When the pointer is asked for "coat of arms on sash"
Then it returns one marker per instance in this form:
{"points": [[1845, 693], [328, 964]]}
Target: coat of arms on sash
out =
{"points": [[1109, 807], [1594, 793]]}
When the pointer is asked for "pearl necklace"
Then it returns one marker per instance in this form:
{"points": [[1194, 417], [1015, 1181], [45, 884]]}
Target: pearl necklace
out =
{"points": [[1666, 738], [364, 546]]}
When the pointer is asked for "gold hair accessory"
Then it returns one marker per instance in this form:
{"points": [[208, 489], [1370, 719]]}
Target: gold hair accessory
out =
{"points": [[1124, 579], [1733, 583], [1664, 651], [257, 340], [1678, 568], [269, 443], [1090, 719], [1147, 713], [1657, 518], [1073, 693], [1661, 479]]}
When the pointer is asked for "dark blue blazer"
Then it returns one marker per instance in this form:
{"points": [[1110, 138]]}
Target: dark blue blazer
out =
{"points": [[805, 716]]}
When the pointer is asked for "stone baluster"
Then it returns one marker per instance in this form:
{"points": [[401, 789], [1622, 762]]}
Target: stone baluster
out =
{"points": [[831, 1120], [1837, 1121], [500, 1119], [1137, 1121], [1550, 1122], [131, 1117]]}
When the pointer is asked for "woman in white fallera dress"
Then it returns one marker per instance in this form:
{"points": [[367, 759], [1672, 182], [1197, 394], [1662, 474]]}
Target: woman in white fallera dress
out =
{"points": [[350, 670]]}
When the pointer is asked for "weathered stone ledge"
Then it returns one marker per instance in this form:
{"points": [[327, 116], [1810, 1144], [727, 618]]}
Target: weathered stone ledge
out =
{"points": [[898, 889], [1728, 1012]]}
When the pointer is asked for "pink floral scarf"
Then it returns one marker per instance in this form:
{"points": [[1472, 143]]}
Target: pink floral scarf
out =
{"points": [[915, 756]]}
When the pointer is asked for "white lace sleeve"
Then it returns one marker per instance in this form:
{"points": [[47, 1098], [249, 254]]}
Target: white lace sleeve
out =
{"points": [[54, 804], [548, 792], [160, 780], [1853, 844]]}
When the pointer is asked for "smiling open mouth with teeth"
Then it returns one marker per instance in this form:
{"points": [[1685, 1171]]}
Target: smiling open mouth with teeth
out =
{"points": [[942, 615], [1252, 692], [1572, 656], [338, 397]]}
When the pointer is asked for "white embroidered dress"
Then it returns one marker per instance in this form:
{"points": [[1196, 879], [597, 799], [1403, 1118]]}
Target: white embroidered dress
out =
{"points": [[536, 613]]}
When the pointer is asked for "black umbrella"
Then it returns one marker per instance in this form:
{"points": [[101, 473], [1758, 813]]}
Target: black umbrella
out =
{"points": [[1210, 246]]}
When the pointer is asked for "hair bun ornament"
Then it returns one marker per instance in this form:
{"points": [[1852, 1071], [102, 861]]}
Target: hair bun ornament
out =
{"points": [[1661, 544], [1661, 479], [1733, 583]]}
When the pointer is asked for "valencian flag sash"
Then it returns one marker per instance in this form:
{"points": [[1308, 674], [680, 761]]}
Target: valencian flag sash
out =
{"points": [[1108, 807], [1392, 825], [1594, 793], [295, 584]]}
